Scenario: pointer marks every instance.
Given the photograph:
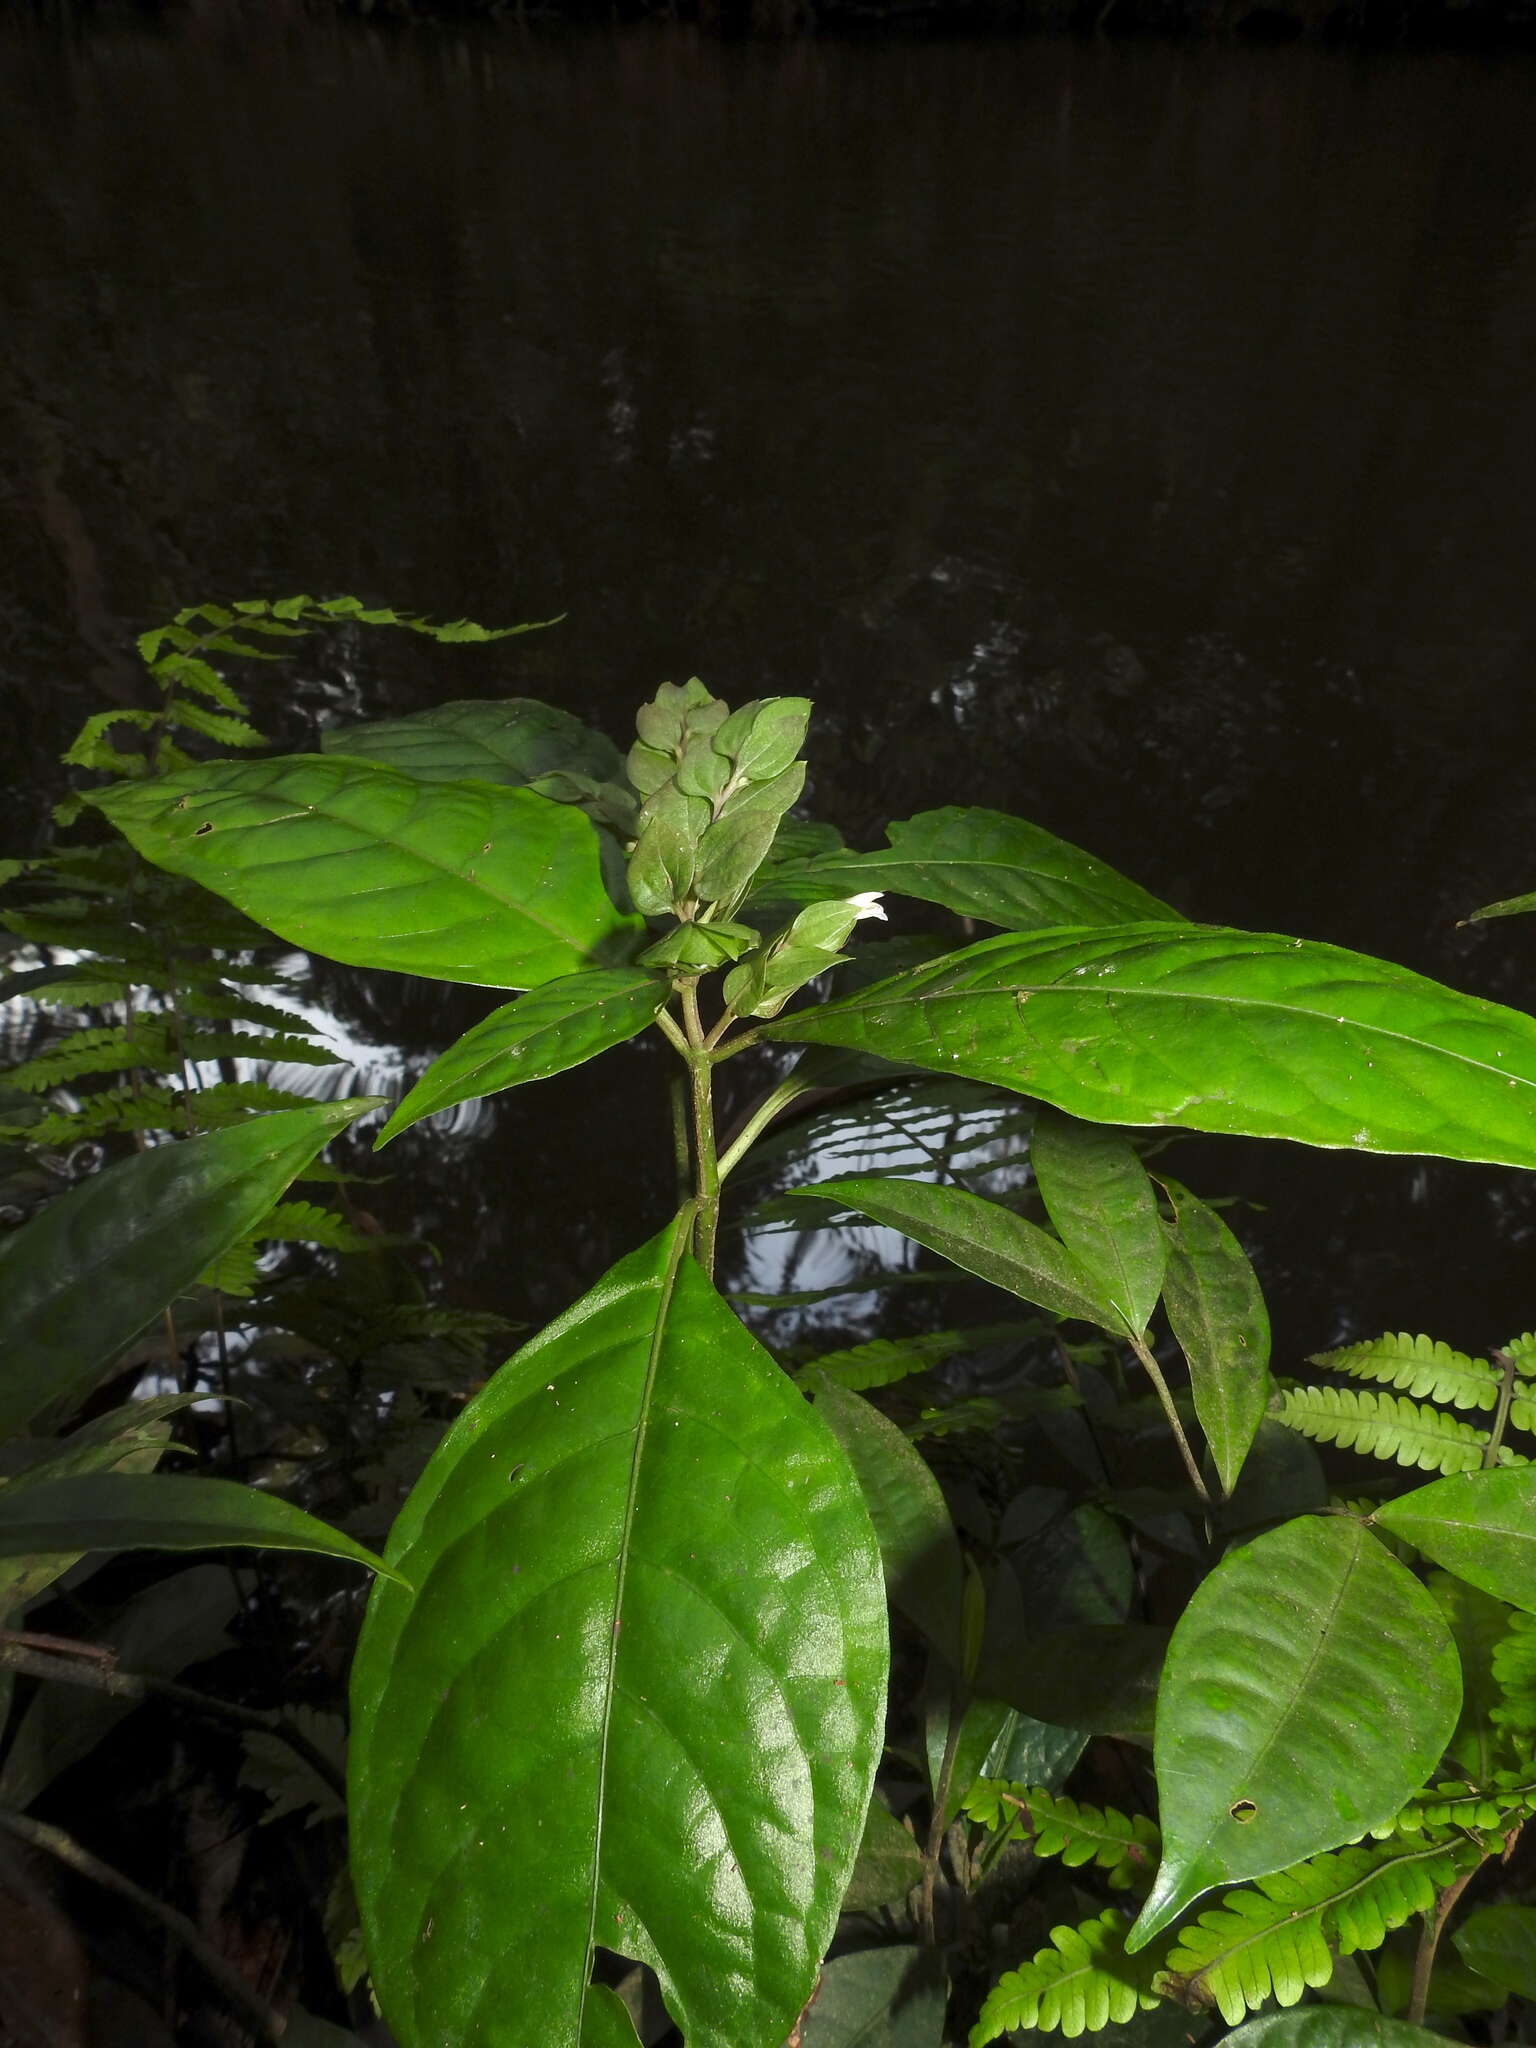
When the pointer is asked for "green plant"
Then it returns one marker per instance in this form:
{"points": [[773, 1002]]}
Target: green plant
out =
{"points": [[626, 1696]]}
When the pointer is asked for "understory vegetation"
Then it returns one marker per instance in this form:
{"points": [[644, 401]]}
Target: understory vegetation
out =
{"points": [[901, 1601]]}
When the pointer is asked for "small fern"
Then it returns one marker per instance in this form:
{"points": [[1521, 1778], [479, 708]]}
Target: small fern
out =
{"points": [[1421, 1366], [1491, 1808], [1082, 1982], [1273, 1939], [1388, 1426], [1126, 1846]]}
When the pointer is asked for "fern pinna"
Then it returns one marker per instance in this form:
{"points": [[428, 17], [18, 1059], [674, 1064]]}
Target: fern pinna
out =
{"points": [[1410, 1424]]}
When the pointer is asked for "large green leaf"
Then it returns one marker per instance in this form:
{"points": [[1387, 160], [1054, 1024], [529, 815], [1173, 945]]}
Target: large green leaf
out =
{"points": [[1311, 1687], [1500, 1943], [976, 1235], [638, 1697], [160, 1511], [1213, 1030], [1330, 2026], [981, 864], [1479, 1525], [878, 1998], [1216, 1310], [459, 880], [80, 1281], [512, 740], [889, 1863], [918, 1546], [544, 1032], [1097, 1194], [1098, 1676]]}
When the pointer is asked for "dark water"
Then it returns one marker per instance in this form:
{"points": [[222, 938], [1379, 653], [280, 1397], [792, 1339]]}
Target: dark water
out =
{"points": [[1136, 437]]}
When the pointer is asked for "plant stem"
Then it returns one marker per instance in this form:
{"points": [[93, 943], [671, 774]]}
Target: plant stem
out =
{"points": [[682, 1157], [1501, 1416], [958, 1701], [667, 1025], [1154, 1373], [758, 1120], [706, 1167], [259, 2017], [1429, 1941], [81, 1668]]}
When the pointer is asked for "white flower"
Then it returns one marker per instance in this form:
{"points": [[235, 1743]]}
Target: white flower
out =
{"points": [[867, 904]]}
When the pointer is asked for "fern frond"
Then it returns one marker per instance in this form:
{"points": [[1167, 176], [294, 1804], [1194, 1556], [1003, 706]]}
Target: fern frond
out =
{"points": [[235, 1271], [1272, 1939], [1127, 1846], [884, 1360], [1081, 1983], [250, 1045], [89, 748], [1421, 1366], [1523, 1351], [220, 726], [308, 1223], [1490, 1808], [1386, 1426], [113, 1049]]}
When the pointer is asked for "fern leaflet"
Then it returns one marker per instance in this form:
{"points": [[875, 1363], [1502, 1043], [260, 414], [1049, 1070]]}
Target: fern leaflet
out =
{"points": [[1126, 1846], [1387, 1426], [1421, 1366], [1081, 1983], [1273, 1939], [884, 1360]]}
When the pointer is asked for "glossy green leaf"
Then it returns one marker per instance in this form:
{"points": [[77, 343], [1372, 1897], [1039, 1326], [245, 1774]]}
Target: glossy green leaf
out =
{"points": [[1211, 1030], [1216, 1311], [878, 1998], [1097, 1193], [511, 740], [161, 1511], [1330, 2026], [889, 1863], [459, 880], [918, 1546], [552, 1028], [983, 1727], [977, 1236], [981, 864], [1499, 1942], [1479, 1525], [79, 1282], [638, 1697], [1310, 1689]]}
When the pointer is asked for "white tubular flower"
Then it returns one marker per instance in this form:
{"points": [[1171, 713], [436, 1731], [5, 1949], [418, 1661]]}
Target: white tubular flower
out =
{"points": [[868, 904]]}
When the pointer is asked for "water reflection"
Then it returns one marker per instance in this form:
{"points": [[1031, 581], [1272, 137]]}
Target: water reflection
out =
{"points": [[1136, 438]]}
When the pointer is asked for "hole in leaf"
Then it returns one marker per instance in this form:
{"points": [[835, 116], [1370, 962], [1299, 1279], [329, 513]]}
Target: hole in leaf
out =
{"points": [[1242, 1811], [206, 826]]}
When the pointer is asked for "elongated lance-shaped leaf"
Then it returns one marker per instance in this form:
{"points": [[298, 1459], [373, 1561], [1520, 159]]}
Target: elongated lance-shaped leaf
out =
{"points": [[1211, 1030], [638, 1697], [1097, 1194], [982, 864], [459, 880], [544, 1032], [161, 1511], [1310, 1689], [1507, 906], [918, 1546], [1479, 1525], [512, 740], [79, 1282], [978, 1236], [1420, 1366], [1216, 1311]]}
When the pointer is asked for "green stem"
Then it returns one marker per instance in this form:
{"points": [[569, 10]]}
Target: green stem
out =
{"points": [[758, 1120], [682, 1156], [706, 1166], [1154, 1373], [1501, 1416], [958, 1701], [667, 1025]]}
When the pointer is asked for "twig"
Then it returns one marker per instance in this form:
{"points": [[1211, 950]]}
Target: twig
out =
{"points": [[1429, 1941], [1501, 1417], [138, 1686], [1154, 1373], [260, 2018]]}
